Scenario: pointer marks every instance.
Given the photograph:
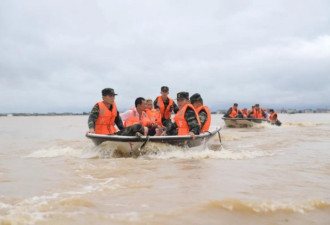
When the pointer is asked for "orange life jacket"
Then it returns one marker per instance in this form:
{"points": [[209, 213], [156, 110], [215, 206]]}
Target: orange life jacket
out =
{"points": [[105, 123], [272, 116], [154, 116], [165, 113], [257, 113], [244, 113], [181, 122], [134, 119], [208, 120], [234, 112]]}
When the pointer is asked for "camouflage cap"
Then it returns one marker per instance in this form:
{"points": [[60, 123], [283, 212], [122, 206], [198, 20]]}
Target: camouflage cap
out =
{"points": [[235, 104], [196, 98], [108, 91], [256, 105], [164, 89], [182, 95]]}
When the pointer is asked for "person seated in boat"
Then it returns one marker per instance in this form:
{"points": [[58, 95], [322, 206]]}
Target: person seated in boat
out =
{"points": [[137, 115], [251, 110], [186, 120], [152, 113], [273, 118], [165, 105], [203, 111], [244, 112], [233, 112], [266, 112], [104, 116], [257, 113]]}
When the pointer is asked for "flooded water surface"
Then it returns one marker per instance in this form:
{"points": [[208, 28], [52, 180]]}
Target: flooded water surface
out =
{"points": [[50, 173]]}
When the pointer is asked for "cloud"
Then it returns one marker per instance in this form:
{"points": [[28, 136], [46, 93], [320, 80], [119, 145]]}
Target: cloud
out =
{"points": [[57, 56]]}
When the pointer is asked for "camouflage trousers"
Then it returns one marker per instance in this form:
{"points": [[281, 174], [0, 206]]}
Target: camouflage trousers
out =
{"points": [[171, 128], [131, 130], [172, 132], [165, 121]]}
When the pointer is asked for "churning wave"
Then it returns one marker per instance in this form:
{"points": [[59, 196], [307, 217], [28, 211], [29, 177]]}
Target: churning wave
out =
{"points": [[37, 208], [208, 154], [150, 151], [54, 152], [267, 206]]}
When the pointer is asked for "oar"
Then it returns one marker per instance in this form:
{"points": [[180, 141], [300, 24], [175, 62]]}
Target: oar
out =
{"points": [[138, 151], [144, 143], [219, 136]]}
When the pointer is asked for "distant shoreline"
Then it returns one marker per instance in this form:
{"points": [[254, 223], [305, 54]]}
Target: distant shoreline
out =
{"points": [[284, 111]]}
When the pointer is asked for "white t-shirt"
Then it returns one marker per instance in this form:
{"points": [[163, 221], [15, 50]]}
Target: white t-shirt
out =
{"points": [[126, 115]]}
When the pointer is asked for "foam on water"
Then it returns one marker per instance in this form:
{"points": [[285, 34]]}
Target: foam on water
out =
{"points": [[76, 152], [4, 206], [267, 206], [206, 154], [151, 151], [165, 151], [53, 152]]}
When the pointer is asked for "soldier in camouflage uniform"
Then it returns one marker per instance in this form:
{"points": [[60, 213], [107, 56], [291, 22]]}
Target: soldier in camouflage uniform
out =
{"points": [[197, 101], [125, 131], [236, 113], [203, 111], [164, 91], [190, 117], [257, 109]]}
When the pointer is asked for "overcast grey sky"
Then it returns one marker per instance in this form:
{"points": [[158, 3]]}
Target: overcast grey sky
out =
{"points": [[56, 56]]}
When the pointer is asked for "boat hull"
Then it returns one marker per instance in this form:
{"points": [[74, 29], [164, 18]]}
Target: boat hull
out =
{"points": [[243, 122], [134, 143]]}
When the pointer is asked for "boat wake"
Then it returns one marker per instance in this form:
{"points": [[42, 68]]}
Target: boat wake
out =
{"points": [[150, 151], [207, 154], [54, 152]]}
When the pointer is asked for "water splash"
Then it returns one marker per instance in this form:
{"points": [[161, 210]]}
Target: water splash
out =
{"points": [[105, 150], [182, 153], [150, 151], [53, 152]]}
